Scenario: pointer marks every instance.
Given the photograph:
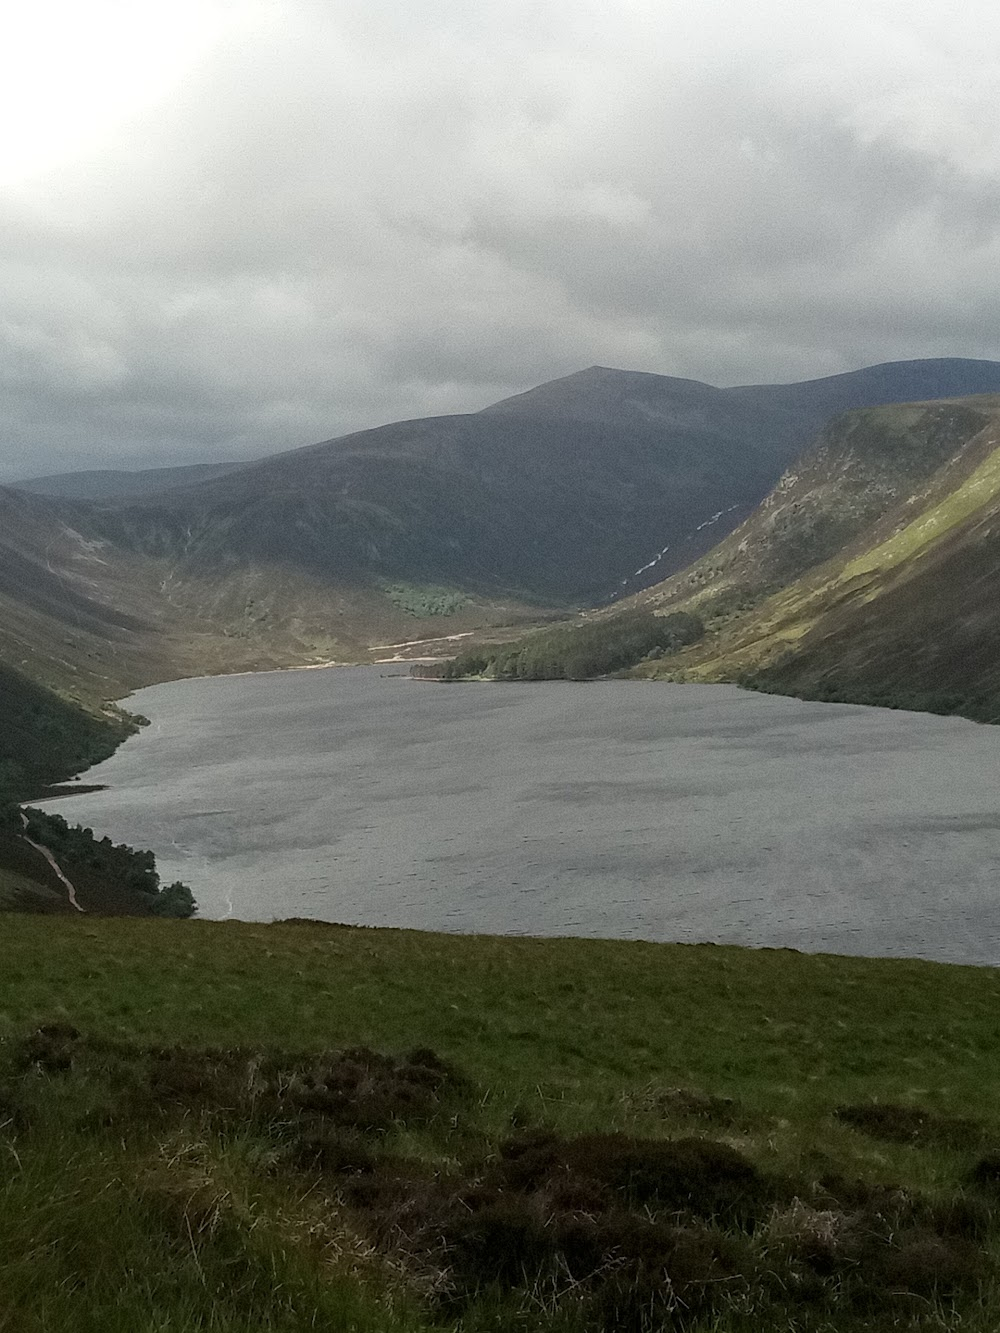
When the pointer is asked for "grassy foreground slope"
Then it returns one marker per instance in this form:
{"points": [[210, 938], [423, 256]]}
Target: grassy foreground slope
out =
{"points": [[235, 1127]]}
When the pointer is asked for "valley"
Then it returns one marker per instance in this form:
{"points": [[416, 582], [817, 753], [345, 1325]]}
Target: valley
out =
{"points": [[540, 505], [451, 1128], [859, 577], [499, 668]]}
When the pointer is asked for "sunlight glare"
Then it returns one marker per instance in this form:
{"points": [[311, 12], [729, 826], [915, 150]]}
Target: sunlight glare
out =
{"points": [[71, 73]]}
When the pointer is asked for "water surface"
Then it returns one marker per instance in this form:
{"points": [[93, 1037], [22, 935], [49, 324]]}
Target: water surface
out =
{"points": [[613, 808]]}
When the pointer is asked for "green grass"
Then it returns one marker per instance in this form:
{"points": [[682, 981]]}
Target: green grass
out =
{"points": [[20, 893], [118, 1213], [558, 1012], [973, 493]]}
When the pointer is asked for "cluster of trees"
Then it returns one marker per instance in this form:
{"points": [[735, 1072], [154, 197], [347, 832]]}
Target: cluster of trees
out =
{"points": [[579, 652], [425, 600], [45, 739], [983, 706], [127, 873]]}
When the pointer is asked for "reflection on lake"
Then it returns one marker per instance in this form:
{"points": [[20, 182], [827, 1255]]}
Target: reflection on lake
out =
{"points": [[617, 808]]}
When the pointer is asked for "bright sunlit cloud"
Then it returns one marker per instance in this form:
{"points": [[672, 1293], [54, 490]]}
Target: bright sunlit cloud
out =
{"points": [[72, 73]]}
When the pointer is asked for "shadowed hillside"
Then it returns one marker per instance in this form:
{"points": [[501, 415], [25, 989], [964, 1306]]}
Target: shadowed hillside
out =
{"points": [[869, 574], [555, 495], [905, 612]]}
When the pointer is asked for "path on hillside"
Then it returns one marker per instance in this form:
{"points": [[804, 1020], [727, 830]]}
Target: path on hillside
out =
{"points": [[71, 891], [413, 643]]}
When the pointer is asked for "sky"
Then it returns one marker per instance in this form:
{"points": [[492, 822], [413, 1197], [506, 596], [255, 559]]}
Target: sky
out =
{"points": [[231, 228]]}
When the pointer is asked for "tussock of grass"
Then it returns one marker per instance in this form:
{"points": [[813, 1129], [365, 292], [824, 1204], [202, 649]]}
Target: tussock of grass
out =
{"points": [[228, 1127], [911, 1124]]}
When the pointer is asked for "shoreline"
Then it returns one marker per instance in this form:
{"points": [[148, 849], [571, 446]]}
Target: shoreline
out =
{"points": [[61, 791], [224, 675], [312, 666]]}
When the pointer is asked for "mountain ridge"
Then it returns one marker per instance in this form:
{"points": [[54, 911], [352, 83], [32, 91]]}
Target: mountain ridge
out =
{"points": [[411, 531], [557, 503], [120, 483]]}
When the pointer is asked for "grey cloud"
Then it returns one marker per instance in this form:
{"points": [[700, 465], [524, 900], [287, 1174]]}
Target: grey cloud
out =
{"points": [[354, 212]]}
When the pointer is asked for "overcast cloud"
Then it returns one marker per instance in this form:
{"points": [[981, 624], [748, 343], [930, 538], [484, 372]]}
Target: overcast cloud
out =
{"points": [[232, 228]]}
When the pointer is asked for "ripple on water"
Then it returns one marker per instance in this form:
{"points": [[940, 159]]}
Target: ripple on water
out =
{"points": [[618, 809]]}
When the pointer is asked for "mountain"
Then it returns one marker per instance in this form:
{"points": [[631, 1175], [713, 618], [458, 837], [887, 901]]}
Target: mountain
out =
{"points": [[404, 538], [862, 464], [602, 394], [557, 495], [114, 484], [870, 573]]}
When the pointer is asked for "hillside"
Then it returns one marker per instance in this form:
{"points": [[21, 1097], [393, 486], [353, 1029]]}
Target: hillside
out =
{"points": [[282, 1127], [862, 465], [870, 573], [93, 619], [557, 495], [544, 510], [399, 540], [73, 614]]}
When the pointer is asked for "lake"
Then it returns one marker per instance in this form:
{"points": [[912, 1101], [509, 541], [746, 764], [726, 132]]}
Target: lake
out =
{"points": [[612, 808]]}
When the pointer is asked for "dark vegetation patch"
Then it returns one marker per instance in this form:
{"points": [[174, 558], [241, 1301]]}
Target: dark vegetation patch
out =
{"points": [[602, 1230], [691, 1176], [575, 652], [689, 1102], [986, 1172], [43, 740], [656, 1234], [110, 878], [911, 1124], [979, 704], [356, 1088], [425, 600]]}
